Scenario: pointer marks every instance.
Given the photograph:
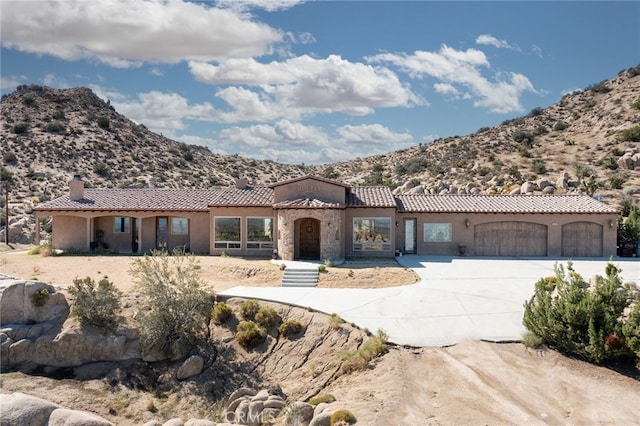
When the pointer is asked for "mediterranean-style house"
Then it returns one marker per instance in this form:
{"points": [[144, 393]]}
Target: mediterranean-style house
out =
{"points": [[310, 217]]}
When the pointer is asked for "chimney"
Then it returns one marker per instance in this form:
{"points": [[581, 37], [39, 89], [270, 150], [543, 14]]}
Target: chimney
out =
{"points": [[241, 182], [76, 188]]}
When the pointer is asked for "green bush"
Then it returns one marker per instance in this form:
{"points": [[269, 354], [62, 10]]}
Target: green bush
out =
{"points": [[250, 335], [582, 321], [221, 312], [267, 318], [20, 128], [560, 126], [344, 416], [632, 134], [616, 181], [96, 305], [103, 123], [361, 357], [101, 169], [39, 298], [174, 305], [322, 268], [9, 158], [249, 309], [326, 398], [335, 321], [538, 166], [524, 138], [636, 104], [54, 127], [290, 328]]}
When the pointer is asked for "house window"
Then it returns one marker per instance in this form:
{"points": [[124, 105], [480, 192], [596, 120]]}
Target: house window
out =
{"points": [[179, 226], [437, 232], [226, 232], [371, 234], [121, 225], [260, 233]]}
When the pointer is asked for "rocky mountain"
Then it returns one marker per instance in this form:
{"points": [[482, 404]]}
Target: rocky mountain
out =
{"points": [[588, 141]]}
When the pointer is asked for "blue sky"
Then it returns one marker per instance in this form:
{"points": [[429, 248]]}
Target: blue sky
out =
{"points": [[317, 82]]}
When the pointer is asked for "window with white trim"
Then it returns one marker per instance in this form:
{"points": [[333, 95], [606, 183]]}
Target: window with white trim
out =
{"points": [[179, 226], [371, 233], [437, 232], [121, 225], [260, 233], [226, 231]]}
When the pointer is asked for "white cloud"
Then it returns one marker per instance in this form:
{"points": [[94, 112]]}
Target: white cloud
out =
{"points": [[268, 5], [446, 89], [160, 112], [55, 81], [124, 33], [11, 82], [156, 71], [303, 86], [537, 50], [363, 136], [501, 94], [489, 40]]}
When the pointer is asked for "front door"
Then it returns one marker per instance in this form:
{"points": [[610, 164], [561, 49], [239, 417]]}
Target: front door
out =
{"points": [[410, 236], [162, 233], [309, 239]]}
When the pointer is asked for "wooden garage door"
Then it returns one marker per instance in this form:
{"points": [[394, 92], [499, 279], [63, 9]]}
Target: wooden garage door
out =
{"points": [[510, 239], [581, 239]]}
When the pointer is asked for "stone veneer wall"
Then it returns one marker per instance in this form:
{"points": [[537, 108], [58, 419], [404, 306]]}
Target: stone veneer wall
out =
{"points": [[331, 231]]}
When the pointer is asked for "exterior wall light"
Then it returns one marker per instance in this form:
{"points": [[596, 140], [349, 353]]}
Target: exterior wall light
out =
{"points": [[610, 223], [467, 222]]}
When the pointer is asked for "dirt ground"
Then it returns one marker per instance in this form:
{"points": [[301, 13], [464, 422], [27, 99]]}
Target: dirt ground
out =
{"points": [[219, 273], [469, 383]]}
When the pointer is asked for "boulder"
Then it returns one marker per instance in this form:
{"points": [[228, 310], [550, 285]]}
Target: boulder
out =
{"points": [[416, 190], [322, 419], [563, 181], [16, 306], [176, 421], [302, 412], [21, 409], [543, 183], [625, 162], [66, 417], [527, 188], [200, 422], [192, 366], [548, 189]]}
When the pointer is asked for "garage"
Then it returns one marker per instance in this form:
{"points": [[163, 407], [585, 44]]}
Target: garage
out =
{"points": [[582, 239], [523, 239]]}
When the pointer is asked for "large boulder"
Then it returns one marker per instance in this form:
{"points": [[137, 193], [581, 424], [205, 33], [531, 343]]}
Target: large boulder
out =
{"points": [[21, 409], [67, 417], [17, 303], [192, 366]]}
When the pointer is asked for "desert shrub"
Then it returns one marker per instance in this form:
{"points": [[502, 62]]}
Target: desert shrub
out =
{"points": [[283, 267], [39, 298], [484, 170], [29, 100], [608, 163], [329, 173], [328, 263], [600, 87], [632, 134], [524, 152], [582, 171], [250, 335], [626, 205], [636, 104], [54, 127], [322, 268], [175, 305], [524, 138], [361, 357], [101, 169], [536, 112], [20, 128], [290, 328], [221, 312], [412, 166], [249, 309], [582, 321], [58, 114], [267, 318], [95, 304], [532, 340], [9, 157], [538, 166], [344, 416], [326, 398], [616, 181], [103, 123], [560, 126], [335, 321]]}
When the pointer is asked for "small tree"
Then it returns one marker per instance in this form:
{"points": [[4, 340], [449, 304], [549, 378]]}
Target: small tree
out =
{"points": [[570, 316], [175, 304], [96, 305]]}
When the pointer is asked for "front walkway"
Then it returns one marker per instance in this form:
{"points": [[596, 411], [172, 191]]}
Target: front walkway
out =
{"points": [[457, 298]]}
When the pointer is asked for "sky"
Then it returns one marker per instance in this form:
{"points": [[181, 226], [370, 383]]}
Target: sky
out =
{"points": [[313, 82]]}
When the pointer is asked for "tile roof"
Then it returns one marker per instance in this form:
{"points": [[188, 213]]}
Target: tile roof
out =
{"points": [[371, 196], [318, 178], [136, 199], [251, 196], [306, 203], [502, 204]]}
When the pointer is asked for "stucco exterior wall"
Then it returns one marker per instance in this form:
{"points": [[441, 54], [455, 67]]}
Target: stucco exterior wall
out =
{"points": [[309, 188], [70, 232]]}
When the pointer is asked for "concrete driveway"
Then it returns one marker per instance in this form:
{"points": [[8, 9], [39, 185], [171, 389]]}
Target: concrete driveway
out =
{"points": [[457, 298]]}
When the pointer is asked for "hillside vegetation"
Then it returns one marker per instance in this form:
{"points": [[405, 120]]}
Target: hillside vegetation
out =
{"points": [[589, 140]]}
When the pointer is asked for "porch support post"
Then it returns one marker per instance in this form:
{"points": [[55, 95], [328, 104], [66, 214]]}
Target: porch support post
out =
{"points": [[88, 242], [140, 239], [36, 237]]}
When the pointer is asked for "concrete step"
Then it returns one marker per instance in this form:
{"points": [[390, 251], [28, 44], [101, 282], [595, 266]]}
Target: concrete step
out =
{"points": [[300, 278]]}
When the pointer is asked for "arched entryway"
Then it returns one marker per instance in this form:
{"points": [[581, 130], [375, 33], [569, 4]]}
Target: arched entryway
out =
{"points": [[308, 238]]}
